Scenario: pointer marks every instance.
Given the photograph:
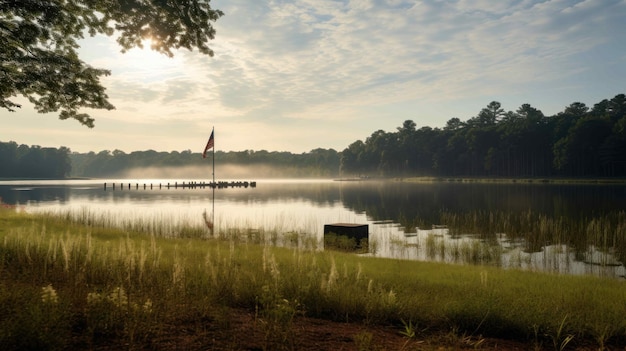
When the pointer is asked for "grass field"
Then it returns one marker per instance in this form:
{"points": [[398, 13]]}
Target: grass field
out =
{"points": [[68, 284]]}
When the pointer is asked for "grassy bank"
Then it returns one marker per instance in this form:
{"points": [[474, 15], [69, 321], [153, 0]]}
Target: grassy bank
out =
{"points": [[66, 285]]}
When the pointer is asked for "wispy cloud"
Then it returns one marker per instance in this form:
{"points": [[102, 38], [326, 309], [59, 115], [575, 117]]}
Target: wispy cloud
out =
{"points": [[303, 55], [295, 75]]}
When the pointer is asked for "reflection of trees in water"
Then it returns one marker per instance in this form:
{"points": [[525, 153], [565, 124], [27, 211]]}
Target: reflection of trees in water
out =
{"points": [[318, 193], [406, 203], [20, 195], [539, 215]]}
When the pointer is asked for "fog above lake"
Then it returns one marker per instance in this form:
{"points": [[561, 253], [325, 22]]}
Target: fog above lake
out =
{"points": [[222, 172]]}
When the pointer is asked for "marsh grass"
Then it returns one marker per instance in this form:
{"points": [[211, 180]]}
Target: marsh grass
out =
{"points": [[525, 240], [596, 240], [70, 285], [345, 243]]}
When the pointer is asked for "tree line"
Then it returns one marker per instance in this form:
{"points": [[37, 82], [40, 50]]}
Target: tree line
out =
{"points": [[577, 142], [316, 163], [25, 161]]}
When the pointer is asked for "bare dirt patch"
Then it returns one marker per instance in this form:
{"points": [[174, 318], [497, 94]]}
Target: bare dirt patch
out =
{"points": [[242, 330]]}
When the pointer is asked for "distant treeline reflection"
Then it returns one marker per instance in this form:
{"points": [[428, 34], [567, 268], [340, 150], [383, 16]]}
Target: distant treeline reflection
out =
{"points": [[536, 215], [422, 204]]}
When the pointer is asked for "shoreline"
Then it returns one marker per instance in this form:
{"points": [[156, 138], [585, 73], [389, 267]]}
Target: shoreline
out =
{"points": [[522, 180]]}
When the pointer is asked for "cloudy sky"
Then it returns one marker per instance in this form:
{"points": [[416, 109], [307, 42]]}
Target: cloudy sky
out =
{"points": [[298, 75]]}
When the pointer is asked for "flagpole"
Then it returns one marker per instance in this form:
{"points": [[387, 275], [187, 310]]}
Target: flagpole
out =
{"points": [[211, 145], [212, 131], [214, 185]]}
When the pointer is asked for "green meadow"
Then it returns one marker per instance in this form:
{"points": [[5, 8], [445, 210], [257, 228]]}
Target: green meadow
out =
{"points": [[75, 283]]}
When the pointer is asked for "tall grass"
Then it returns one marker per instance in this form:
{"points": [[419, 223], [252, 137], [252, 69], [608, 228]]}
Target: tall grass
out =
{"points": [[595, 239], [478, 237], [67, 285]]}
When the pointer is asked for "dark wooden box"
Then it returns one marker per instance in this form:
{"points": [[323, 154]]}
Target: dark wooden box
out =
{"points": [[351, 230]]}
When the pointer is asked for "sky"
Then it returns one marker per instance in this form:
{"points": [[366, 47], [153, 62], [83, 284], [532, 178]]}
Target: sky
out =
{"points": [[299, 75]]}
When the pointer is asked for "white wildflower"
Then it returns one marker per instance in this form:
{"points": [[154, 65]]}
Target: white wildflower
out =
{"points": [[49, 295], [118, 297], [147, 306], [391, 298], [93, 298], [333, 276]]}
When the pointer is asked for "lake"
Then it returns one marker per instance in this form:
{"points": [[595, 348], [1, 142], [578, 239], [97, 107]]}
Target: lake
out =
{"points": [[561, 228]]}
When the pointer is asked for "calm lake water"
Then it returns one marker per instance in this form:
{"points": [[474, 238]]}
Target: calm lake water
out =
{"points": [[406, 220]]}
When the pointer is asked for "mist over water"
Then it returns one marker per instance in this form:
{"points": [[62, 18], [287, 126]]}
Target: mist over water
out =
{"points": [[222, 172]]}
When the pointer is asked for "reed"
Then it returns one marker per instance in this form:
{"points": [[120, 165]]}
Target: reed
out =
{"points": [[601, 236], [599, 240], [121, 286]]}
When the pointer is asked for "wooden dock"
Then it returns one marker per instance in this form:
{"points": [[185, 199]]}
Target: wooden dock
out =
{"points": [[181, 185]]}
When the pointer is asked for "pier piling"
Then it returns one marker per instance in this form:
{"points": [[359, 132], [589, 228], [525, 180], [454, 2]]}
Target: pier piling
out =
{"points": [[188, 185]]}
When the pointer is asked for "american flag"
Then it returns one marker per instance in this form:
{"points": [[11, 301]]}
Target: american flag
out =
{"points": [[209, 145]]}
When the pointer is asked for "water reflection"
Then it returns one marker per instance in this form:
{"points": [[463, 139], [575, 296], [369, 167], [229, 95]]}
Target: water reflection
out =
{"points": [[573, 229], [439, 245]]}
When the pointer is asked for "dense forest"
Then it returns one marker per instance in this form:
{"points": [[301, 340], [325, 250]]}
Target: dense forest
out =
{"points": [[33, 161], [577, 142]]}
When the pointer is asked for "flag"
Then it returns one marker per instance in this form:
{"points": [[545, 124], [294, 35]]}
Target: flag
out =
{"points": [[209, 145]]}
